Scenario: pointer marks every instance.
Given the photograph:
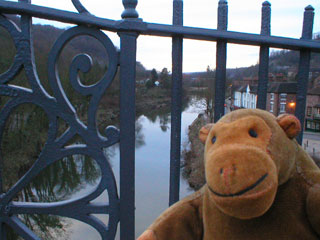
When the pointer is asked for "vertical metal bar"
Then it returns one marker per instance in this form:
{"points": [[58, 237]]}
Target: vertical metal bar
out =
{"points": [[128, 61], [128, 45], [176, 106], [221, 62], [304, 67], [3, 235], [264, 57]]}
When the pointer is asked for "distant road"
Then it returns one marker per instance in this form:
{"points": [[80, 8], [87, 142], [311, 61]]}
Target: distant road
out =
{"points": [[311, 136]]}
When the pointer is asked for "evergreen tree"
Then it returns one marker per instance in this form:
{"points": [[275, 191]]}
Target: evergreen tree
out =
{"points": [[154, 75], [165, 78]]}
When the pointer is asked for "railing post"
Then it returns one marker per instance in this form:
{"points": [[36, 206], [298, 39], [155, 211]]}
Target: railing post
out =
{"points": [[176, 105], [128, 50], [127, 134], [264, 57], [303, 72], [221, 62], [3, 235], [130, 9]]}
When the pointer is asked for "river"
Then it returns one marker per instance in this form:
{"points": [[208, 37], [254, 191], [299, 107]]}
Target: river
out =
{"points": [[152, 177]]}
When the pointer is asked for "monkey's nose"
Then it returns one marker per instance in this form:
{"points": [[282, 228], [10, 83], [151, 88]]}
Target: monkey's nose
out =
{"points": [[227, 174]]}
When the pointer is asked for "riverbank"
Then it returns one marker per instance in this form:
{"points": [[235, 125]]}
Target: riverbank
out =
{"points": [[193, 164], [152, 99], [148, 102]]}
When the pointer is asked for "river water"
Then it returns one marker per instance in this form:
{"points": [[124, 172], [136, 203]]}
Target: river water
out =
{"points": [[151, 182]]}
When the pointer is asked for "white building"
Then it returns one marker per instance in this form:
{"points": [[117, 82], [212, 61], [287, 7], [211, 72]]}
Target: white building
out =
{"points": [[245, 97]]}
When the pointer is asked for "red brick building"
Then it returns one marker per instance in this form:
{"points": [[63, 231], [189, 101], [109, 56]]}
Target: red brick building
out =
{"points": [[281, 98], [313, 110]]}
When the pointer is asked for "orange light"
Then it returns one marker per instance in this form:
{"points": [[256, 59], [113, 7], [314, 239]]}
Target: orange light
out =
{"points": [[292, 104]]}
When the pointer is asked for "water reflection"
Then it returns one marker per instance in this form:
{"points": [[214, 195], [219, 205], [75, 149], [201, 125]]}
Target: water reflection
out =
{"points": [[56, 183], [78, 174], [153, 161], [23, 138], [140, 141]]}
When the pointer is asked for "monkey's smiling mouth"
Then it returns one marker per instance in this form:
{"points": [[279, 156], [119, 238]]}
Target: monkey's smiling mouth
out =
{"points": [[241, 191]]}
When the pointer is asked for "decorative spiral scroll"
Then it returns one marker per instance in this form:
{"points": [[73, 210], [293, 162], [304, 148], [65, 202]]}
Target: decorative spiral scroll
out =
{"points": [[83, 63], [81, 9], [95, 90], [17, 63], [56, 107]]}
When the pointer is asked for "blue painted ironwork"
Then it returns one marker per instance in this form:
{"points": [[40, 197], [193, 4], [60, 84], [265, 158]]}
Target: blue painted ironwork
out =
{"points": [[221, 62], [176, 105], [127, 134], [264, 57], [304, 67], [130, 9], [128, 60], [58, 106], [153, 29], [81, 9]]}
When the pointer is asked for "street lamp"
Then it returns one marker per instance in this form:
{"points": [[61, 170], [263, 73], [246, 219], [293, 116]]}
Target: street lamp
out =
{"points": [[292, 106]]}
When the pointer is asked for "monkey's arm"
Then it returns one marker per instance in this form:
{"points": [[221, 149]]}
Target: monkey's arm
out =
{"points": [[313, 209]]}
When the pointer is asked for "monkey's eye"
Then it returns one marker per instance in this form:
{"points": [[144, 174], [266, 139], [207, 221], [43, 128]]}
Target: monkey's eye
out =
{"points": [[213, 139], [253, 133]]}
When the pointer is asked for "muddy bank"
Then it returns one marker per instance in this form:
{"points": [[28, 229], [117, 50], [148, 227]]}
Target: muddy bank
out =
{"points": [[193, 164], [147, 102]]}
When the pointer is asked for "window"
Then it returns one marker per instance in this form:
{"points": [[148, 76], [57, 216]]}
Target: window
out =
{"points": [[283, 97], [309, 111], [317, 110], [282, 107], [243, 100], [308, 124], [271, 107], [271, 96], [237, 99]]}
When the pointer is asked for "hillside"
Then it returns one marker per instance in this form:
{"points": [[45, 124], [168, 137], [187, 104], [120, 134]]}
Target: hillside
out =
{"points": [[44, 37], [284, 62]]}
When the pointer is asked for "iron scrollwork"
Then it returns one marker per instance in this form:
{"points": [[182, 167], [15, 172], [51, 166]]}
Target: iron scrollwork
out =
{"points": [[81, 9], [57, 107]]}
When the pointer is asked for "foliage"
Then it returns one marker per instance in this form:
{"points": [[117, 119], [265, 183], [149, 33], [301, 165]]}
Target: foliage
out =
{"points": [[165, 79], [154, 75], [141, 72], [210, 92], [149, 84]]}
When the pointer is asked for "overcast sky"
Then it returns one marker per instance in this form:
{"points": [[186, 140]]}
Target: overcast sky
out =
{"points": [[244, 15]]}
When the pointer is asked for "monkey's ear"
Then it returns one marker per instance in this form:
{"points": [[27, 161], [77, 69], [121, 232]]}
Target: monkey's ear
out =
{"points": [[290, 125], [204, 131]]}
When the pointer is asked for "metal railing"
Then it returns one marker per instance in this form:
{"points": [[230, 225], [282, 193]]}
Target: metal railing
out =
{"points": [[120, 209]]}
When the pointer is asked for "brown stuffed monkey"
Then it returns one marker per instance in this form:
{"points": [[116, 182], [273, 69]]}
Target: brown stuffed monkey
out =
{"points": [[260, 184]]}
